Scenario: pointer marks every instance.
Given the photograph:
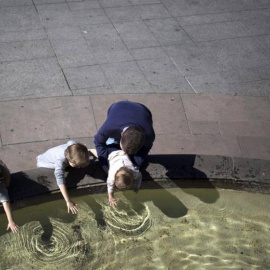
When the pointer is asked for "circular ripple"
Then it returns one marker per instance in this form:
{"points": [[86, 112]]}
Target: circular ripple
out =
{"points": [[128, 219]]}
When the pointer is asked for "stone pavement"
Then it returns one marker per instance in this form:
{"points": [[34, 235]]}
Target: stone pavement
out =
{"points": [[202, 67]]}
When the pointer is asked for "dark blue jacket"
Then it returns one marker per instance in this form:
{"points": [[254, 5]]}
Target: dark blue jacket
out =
{"points": [[120, 115]]}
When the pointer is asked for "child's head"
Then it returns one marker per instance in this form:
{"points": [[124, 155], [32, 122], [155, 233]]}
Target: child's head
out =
{"points": [[4, 174], [124, 178], [132, 140], [77, 155]]}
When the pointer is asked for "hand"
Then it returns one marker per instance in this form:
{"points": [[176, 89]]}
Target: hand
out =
{"points": [[112, 201], [14, 227], [72, 207]]}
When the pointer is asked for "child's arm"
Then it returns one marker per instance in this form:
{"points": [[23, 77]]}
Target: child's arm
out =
{"points": [[70, 205], [59, 175], [110, 188], [11, 224]]}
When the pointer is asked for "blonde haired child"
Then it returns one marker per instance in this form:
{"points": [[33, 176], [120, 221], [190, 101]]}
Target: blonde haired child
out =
{"points": [[58, 158], [122, 174], [4, 197]]}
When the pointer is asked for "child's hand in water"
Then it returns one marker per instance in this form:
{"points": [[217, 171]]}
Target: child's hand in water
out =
{"points": [[112, 201], [72, 207], [13, 226]]}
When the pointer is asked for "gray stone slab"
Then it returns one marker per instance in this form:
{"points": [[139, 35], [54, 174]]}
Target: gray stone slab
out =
{"points": [[57, 15], [134, 13], [164, 75], [250, 82], [183, 8], [73, 53], [251, 170], [238, 53], [204, 127], [84, 5], [114, 3], [167, 31], [20, 50], [241, 15], [51, 118], [255, 147], [64, 33], [106, 43], [144, 2], [19, 18], [136, 35], [32, 78], [101, 35], [148, 53], [123, 73], [11, 3], [42, 2], [23, 35], [90, 16], [133, 88], [212, 83], [85, 77], [225, 30], [245, 128], [102, 90], [192, 59], [116, 53]]}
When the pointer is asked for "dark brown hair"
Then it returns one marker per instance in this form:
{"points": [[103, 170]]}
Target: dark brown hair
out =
{"points": [[125, 179], [4, 174], [78, 155], [132, 140]]}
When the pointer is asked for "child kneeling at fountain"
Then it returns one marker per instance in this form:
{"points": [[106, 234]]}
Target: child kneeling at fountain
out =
{"points": [[122, 174], [58, 158], [4, 197]]}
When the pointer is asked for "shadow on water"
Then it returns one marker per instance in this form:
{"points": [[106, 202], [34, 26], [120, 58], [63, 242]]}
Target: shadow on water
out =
{"points": [[180, 169]]}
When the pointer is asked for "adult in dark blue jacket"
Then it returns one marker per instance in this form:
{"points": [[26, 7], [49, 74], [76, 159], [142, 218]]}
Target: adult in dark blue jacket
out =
{"points": [[128, 126]]}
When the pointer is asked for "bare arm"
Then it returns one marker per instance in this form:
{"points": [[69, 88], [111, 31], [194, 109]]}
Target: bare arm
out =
{"points": [[112, 200], [11, 224], [70, 205]]}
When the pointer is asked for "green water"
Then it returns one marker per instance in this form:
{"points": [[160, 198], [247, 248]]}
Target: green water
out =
{"points": [[154, 229]]}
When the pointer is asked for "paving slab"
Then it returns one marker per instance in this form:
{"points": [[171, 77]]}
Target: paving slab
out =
{"points": [[255, 147], [204, 127], [167, 31], [85, 77], [54, 118], [136, 35], [23, 35], [74, 53], [20, 50], [32, 78]]}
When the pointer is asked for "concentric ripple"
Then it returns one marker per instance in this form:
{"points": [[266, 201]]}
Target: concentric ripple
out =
{"points": [[64, 247], [128, 219]]}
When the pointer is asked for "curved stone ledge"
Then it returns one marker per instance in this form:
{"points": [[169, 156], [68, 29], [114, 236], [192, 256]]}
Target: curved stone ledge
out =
{"points": [[161, 171]]}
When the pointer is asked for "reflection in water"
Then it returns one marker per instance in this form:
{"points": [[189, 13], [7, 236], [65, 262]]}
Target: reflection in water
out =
{"points": [[231, 233]]}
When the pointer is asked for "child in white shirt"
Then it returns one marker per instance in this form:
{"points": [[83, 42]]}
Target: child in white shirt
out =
{"points": [[58, 158], [122, 174]]}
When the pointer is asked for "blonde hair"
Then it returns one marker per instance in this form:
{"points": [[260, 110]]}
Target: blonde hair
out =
{"points": [[78, 155], [4, 174], [125, 179]]}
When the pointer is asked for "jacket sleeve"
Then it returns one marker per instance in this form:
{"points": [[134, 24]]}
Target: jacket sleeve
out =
{"points": [[139, 158], [101, 147], [138, 180], [59, 172]]}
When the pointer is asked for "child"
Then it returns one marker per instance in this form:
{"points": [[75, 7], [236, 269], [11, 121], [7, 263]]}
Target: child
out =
{"points": [[58, 158], [4, 198], [122, 174]]}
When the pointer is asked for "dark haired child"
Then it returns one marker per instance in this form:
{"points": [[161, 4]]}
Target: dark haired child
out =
{"points": [[58, 158]]}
